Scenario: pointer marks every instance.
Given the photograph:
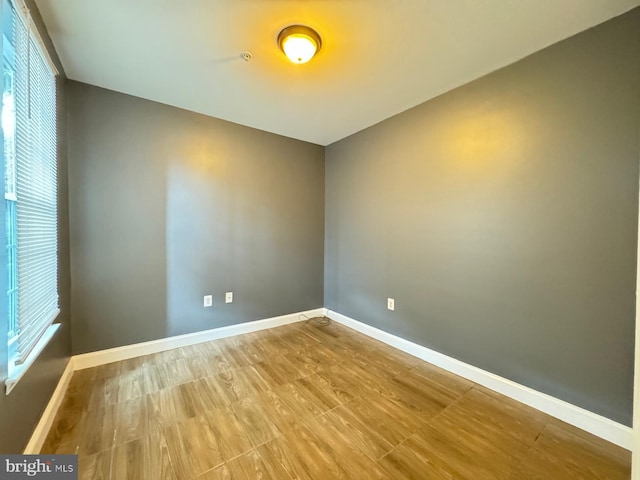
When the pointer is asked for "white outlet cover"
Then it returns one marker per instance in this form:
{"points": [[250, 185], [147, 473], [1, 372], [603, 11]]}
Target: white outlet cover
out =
{"points": [[391, 304], [208, 300], [228, 297]]}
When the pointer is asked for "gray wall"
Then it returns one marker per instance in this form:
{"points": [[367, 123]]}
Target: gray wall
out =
{"points": [[20, 411], [167, 206], [502, 217]]}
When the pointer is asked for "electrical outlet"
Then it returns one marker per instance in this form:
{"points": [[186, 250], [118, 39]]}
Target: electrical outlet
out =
{"points": [[228, 297], [208, 300], [391, 304]]}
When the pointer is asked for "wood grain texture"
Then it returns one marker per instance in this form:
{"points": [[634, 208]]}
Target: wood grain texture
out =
{"points": [[306, 401], [95, 467]]}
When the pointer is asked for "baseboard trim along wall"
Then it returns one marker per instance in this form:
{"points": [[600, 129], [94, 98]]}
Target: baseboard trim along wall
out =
{"points": [[46, 420], [93, 359], [101, 357], [598, 425]]}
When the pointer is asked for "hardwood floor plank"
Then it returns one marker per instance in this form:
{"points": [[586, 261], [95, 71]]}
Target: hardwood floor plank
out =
{"points": [[214, 357], [305, 399], [105, 392], [314, 335], [560, 452], [391, 421], [173, 372], [274, 344], [157, 460], [127, 460], [566, 433], [199, 366], [325, 355], [341, 382], [310, 401], [344, 449], [473, 455], [278, 370], [256, 420], [152, 379], [193, 447], [247, 466], [303, 360], [145, 458], [278, 411], [131, 420], [313, 458], [132, 364], [260, 342], [167, 356], [189, 399], [241, 382], [424, 399], [221, 472], [132, 385], [228, 431], [335, 391], [98, 431], [243, 344], [95, 467], [367, 382], [296, 339], [279, 456], [108, 370], [381, 364], [406, 463], [214, 390], [321, 390], [483, 411], [446, 379], [161, 410], [342, 422], [64, 434], [234, 353]]}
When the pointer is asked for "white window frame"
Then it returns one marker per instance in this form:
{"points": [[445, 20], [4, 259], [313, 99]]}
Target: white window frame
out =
{"points": [[16, 371]]}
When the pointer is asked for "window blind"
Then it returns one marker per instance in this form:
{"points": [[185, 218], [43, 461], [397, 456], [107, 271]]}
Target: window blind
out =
{"points": [[36, 187]]}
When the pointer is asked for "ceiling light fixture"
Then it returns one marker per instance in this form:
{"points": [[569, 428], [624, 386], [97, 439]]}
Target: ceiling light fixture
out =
{"points": [[299, 43]]}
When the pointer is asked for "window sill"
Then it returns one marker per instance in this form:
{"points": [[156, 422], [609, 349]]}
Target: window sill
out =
{"points": [[17, 371]]}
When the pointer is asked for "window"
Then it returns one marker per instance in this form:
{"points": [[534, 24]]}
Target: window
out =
{"points": [[31, 208]]}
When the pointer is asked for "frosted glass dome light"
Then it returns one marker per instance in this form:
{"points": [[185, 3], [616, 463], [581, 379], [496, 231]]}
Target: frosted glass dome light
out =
{"points": [[299, 43]]}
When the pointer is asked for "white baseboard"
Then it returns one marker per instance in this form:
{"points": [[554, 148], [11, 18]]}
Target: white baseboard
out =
{"points": [[93, 359], [596, 424], [101, 357], [46, 420], [579, 417]]}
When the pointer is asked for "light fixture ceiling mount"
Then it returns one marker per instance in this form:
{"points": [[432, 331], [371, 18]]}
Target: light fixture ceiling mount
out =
{"points": [[299, 43]]}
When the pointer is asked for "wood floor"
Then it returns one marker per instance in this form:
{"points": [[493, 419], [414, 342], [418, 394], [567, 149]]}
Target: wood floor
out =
{"points": [[307, 401]]}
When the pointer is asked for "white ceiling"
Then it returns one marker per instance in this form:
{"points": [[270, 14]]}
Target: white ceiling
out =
{"points": [[379, 57]]}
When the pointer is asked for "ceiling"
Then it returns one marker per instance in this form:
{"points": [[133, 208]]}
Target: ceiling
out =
{"points": [[379, 57]]}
